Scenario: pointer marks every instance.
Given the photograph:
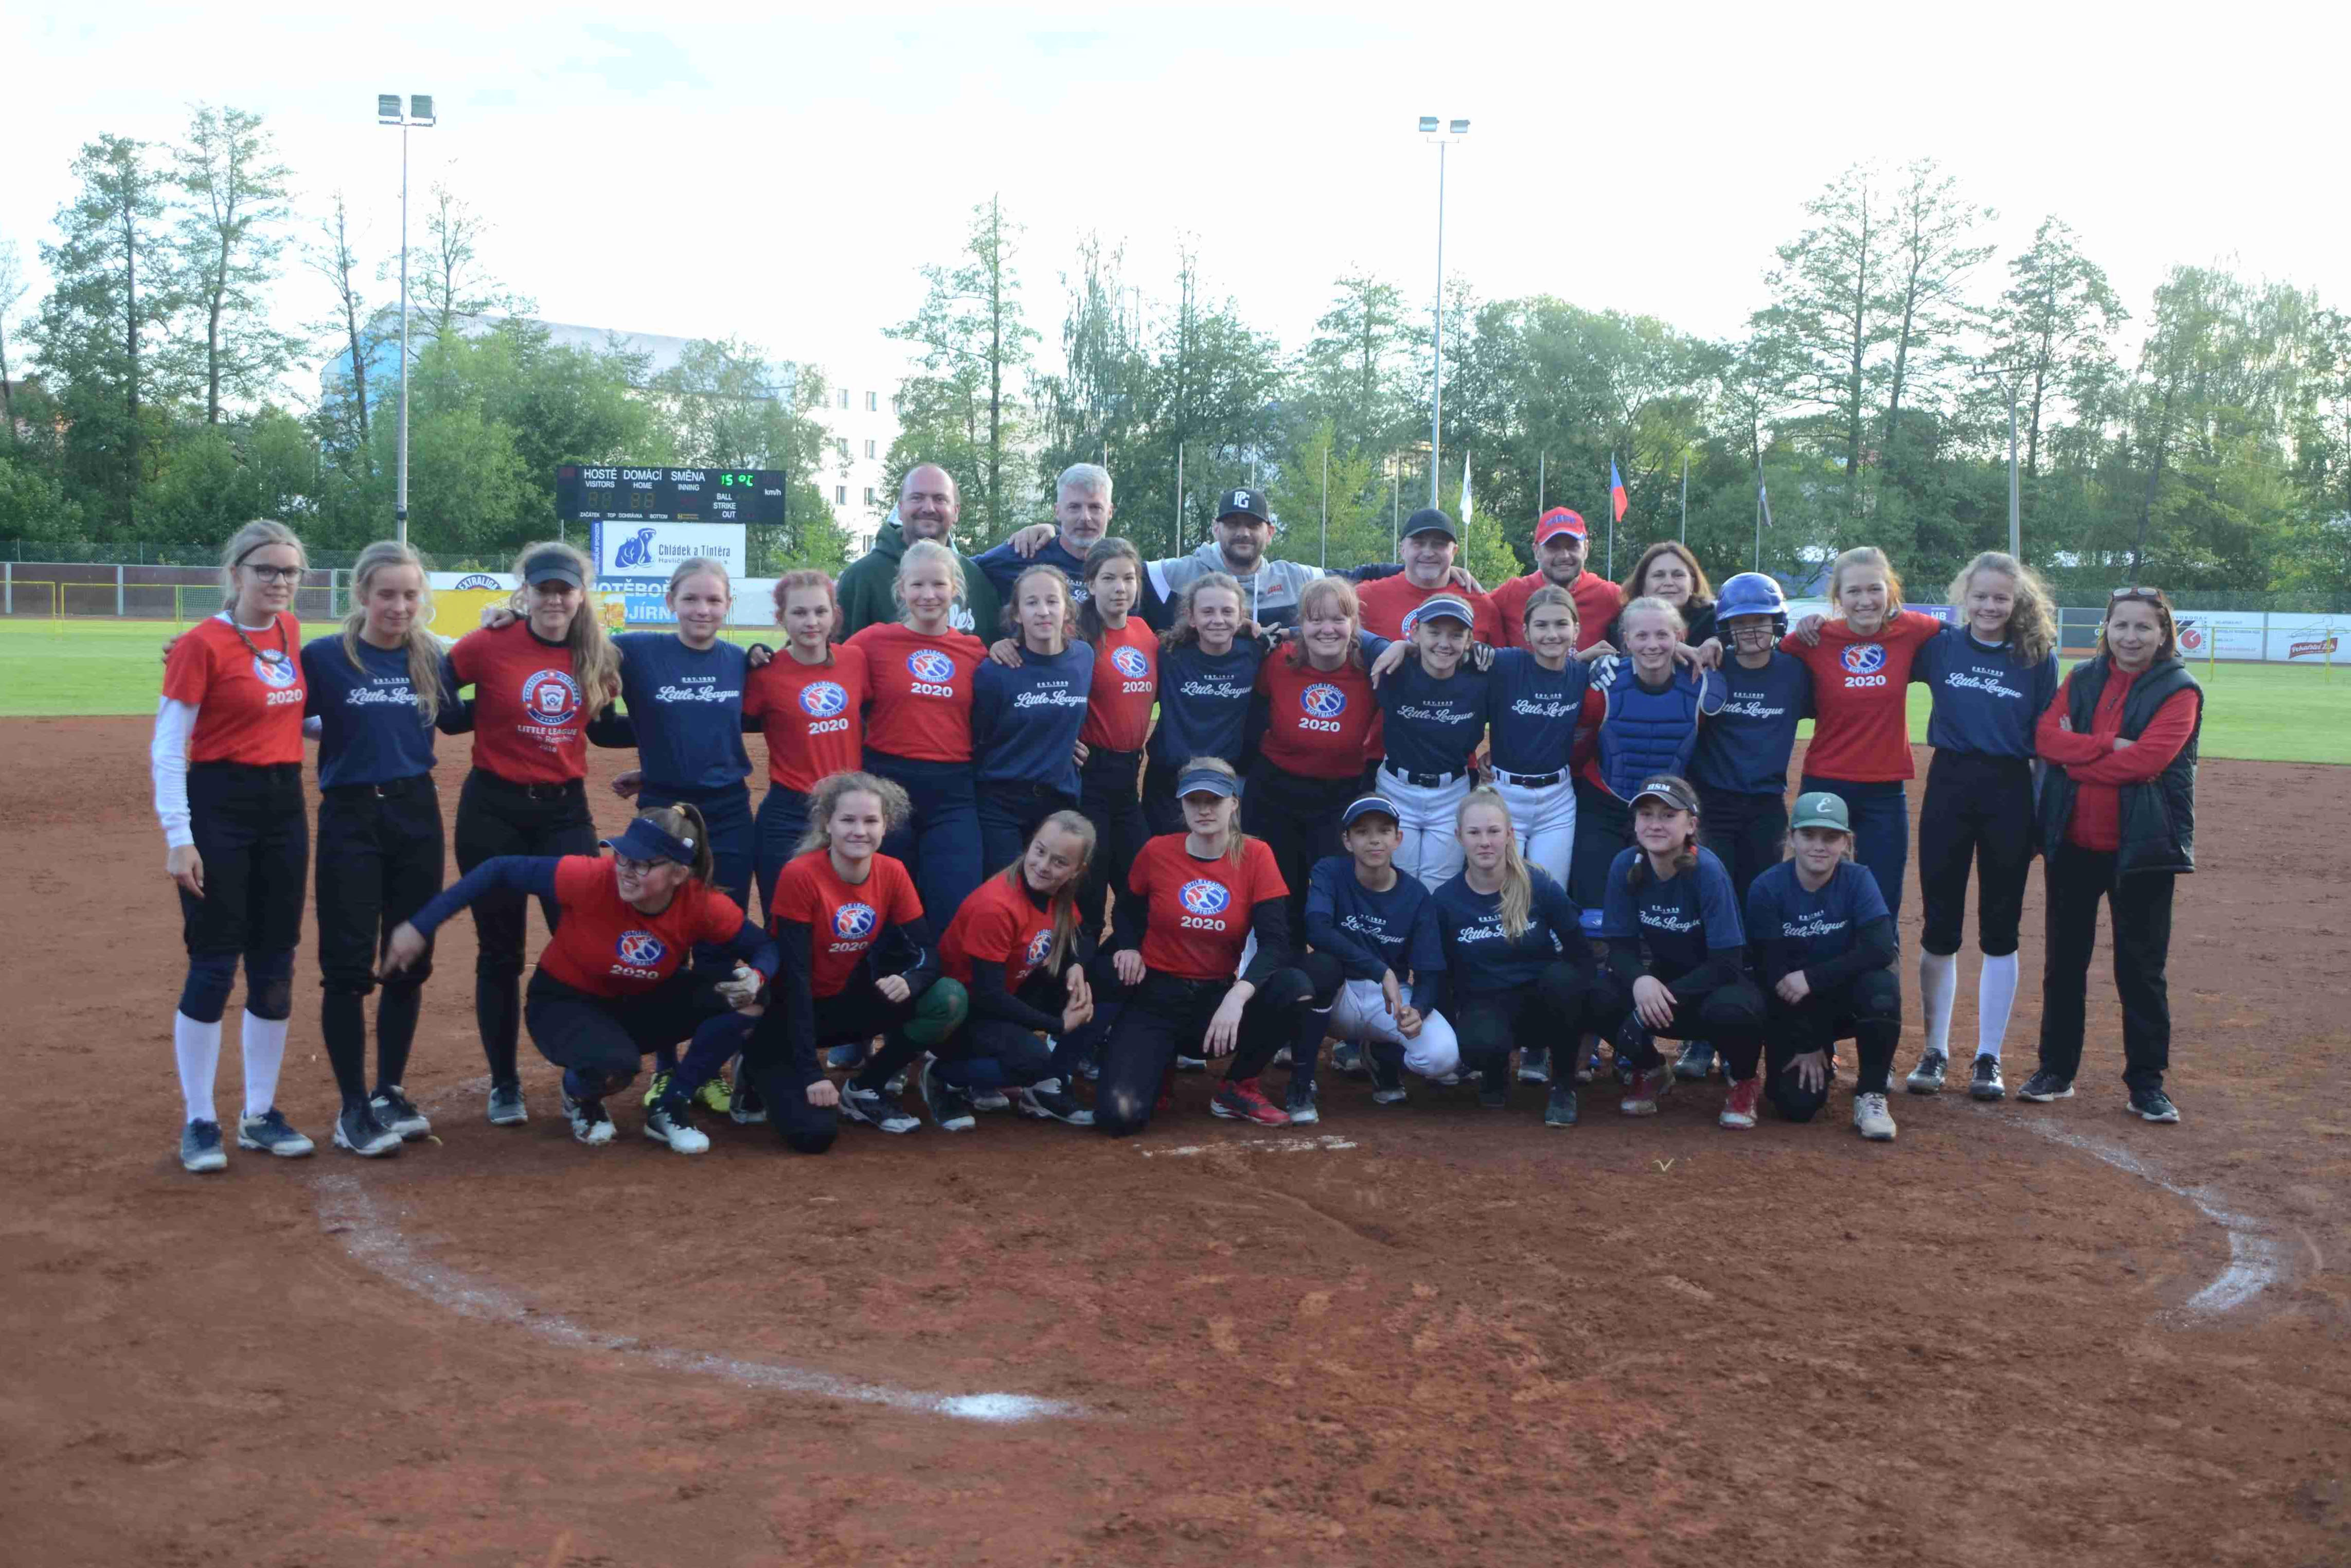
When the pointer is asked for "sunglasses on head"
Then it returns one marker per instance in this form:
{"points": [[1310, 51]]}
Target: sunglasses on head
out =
{"points": [[2138, 595]]}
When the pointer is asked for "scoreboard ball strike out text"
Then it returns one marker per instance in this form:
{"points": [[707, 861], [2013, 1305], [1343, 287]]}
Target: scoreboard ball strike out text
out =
{"points": [[626, 495]]}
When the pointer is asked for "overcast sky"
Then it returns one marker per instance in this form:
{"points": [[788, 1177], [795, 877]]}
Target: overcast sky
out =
{"points": [[696, 170]]}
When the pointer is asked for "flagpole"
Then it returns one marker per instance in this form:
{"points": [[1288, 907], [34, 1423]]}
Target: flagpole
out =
{"points": [[1326, 506], [1542, 463], [1758, 511], [1685, 495], [1609, 501]]}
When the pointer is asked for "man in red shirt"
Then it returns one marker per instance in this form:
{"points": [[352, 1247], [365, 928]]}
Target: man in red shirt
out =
{"points": [[1430, 541], [1562, 541]]}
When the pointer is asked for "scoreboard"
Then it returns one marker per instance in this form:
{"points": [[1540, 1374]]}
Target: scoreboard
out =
{"points": [[636, 494]]}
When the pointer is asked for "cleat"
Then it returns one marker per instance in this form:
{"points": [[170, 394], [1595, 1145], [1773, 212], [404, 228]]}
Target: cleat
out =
{"points": [[747, 1108], [1387, 1079], [715, 1097], [2153, 1105], [200, 1147], [845, 1058], [1450, 1080], [270, 1131], [2044, 1086], [1191, 1063], [1694, 1062], [357, 1130], [1048, 1101], [1351, 1059], [950, 1107], [671, 1122], [1641, 1096], [1090, 1070], [878, 1109], [1985, 1084], [1243, 1101], [394, 1110], [1299, 1104], [1494, 1090], [897, 1085], [1927, 1078], [507, 1108], [1285, 1057], [1738, 1110], [1534, 1065], [590, 1123], [1871, 1119], [1560, 1110], [658, 1090], [990, 1099]]}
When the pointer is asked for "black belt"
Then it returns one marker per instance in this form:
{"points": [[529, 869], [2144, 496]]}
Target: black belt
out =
{"points": [[1530, 781], [388, 790], [533, 791], [1424, 780], [1030, 788]]}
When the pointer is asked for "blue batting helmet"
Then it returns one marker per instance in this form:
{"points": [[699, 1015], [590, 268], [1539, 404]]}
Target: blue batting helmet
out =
{"points": [[1753, 593]]}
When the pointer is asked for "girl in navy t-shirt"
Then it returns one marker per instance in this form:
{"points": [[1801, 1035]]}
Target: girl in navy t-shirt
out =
{"points": [[1024, 718], [1207, 675]]}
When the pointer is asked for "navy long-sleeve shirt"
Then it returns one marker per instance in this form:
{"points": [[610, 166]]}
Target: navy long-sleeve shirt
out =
{"points": [[1204, 702], [1743, 748], [1832, 932], [1003, 566], [1480, 957], [1986, 699], [1025, 721], [369, 732], [685, 706], [905, 950], [1689, 925], [533, 876], [1371, 933]]}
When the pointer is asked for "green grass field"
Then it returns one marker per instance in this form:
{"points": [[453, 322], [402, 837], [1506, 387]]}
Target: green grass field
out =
{"points": [[2269, 712]]}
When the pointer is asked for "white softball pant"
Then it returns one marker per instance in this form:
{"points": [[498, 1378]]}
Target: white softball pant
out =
{"points": [[1360, 1014], [1545, 820], [1428, 848]]}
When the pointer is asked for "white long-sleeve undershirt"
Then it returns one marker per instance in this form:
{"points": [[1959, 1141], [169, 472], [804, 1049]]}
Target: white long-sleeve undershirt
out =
{"points": [[167, 759]]}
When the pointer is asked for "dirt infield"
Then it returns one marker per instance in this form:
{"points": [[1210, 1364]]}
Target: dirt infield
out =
{"points": [[1422, 1334]]}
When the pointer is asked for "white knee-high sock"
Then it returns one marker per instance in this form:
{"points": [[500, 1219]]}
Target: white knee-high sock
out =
{"points": [[197, 1046], [1939, 982], [265, 1053], [1995, 995]]}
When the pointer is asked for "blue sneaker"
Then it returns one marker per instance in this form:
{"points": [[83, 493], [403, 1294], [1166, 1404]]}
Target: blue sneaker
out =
{"points": [[270, 1132], [200, 1147]]}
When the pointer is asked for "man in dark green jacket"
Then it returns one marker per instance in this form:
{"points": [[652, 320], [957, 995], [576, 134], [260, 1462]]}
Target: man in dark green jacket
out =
{"points": [[928, 507]]}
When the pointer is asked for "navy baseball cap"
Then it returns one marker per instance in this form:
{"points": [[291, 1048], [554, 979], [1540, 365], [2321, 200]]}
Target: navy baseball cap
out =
{"points": [[645, 841], [1437, 604], [551, 566], [1368, 806], [1673, 791], [1244, 504], [1206, 781], [1429, 520]]}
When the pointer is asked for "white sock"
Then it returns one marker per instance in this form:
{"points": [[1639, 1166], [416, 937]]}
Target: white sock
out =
{"points": [[1995, 995], [1939, 982], [265, 1053], [197, 1045]]}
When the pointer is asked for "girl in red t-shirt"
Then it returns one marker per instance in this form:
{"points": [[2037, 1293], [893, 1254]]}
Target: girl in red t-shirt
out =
{"points": [[1018, 952], [227, 764], [1314, 711], [1118, 722], [1195, 900], [809, 701], [537, 682]]}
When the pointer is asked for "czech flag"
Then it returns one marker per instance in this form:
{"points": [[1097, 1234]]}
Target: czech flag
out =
{"points": [[1615, 491]]}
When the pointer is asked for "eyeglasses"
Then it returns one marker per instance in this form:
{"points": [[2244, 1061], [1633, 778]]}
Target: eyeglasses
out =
{"points": [[2136, 594], [636, 867], [275, 574]]}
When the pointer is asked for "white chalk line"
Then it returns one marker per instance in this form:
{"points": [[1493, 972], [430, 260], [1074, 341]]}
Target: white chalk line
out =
{"points": [[1323, 1145], [2258, 1257]]}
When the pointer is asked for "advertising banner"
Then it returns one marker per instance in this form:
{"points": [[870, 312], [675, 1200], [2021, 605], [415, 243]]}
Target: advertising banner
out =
{"points": [[643, 550], [2308, 639], [2222, 633]]}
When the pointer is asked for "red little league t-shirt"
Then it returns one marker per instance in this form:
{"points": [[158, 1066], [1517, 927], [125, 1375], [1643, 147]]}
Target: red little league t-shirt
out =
{"points": [[530, 720], [1318, 722], [248, 705], [812, 715], [1126, 687], [1199, 910], [919, 691], [999, 924], [844, 921], [608, 947], [1860, 731]]}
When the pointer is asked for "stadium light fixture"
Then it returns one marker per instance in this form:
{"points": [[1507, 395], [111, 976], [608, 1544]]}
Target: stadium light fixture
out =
{"points": [[1458, 129], [420, 116], [1428, 122]]}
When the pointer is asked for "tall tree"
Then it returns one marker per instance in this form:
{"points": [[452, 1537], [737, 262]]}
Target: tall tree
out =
{"points": [[352, 330], [1356, 372], [233, 204], [2054, 323], [735, 411], [1828, 310], [1093, 406], [449, 278], [12, 290], [1929, 262]]}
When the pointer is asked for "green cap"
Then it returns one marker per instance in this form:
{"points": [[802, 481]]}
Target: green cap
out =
{"points": [[1822, 810]]}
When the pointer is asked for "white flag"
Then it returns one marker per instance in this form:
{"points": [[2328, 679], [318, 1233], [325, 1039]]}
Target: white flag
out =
{"points": [[1465, 490]]}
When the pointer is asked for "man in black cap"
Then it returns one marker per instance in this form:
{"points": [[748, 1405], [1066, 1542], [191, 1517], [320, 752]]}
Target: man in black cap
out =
{"points": [[1430, 541]]}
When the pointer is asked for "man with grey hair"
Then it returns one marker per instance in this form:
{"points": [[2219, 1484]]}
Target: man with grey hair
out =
{"points": [[1081, 511], [929, 505]]}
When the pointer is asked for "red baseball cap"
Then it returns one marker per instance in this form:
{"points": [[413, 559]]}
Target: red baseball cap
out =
{"points": [[1560, 520]]}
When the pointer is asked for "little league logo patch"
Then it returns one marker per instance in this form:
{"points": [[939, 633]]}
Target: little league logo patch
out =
{"points": [[1130, 663], [930, 664], [551, 696], [641, 949], [1864, 658], [278, 674], [1322, 700], [852, 922], [1206, 897], [1040, 946], [822, 699]]}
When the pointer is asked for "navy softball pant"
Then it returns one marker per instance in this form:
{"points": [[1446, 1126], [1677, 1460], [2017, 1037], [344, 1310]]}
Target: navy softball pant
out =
{"points": [[783, 818], [940, 841]]}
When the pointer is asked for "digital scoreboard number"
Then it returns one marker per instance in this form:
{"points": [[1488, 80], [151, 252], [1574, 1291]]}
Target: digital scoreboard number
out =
{"points": [[634, 494]]}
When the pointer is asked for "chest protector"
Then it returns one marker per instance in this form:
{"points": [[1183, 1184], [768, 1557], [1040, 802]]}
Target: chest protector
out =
{"points": [[1646, 732]]}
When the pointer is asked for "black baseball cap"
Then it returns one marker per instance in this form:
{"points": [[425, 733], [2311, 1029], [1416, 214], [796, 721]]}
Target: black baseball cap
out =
{"points": [[552, 566], [1245, 504], [1429, 520], [1673, 791]]}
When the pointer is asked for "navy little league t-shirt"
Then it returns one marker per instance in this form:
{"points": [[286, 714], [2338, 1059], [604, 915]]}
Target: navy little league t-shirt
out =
{"points": [[1025, 721], [1680, 921], [1744, 749], [686, 707], [1805, 927], [1986, 699], [1398, 926], [1433, 726], [1532, 712], [1204, 702], [370, 732]]}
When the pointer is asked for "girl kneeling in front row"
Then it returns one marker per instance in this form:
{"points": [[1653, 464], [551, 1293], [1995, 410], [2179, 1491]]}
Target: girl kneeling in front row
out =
{"points": [[1823, 946]]}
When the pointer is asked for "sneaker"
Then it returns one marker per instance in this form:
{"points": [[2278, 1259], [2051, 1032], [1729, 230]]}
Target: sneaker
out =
{"points": [[2153, 1105], [658, 1090], [1871, 1119], [2044, 1086], [1090, 1070], [590, 1123], [1387, 1079], [1738, 1110], [1534, 1065], [270, 1131], [1694, 1062], [671, 1122], [1560, 1110], [506, 1106], [395, 1110], [1625, 1072], [1986, 1083], [1300, 1103], [1927, 1078], [1351, 1059], [746, 1106], [1241, 1100], [200, 1147], [715, 1097], [1048, 1101], [1450, 1080], [878, 1109], [1191, 1063], [1493, 1091], [1641, 1096], [990, 1099], [1284, 1058], [897, 1085], [845, 1058], [950, 1107], [357, 1130]]}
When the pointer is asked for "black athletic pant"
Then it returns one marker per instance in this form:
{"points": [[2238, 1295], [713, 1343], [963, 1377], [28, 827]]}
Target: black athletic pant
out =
{"points": [[1009, 811], [1866, 1009], [1729, 1015], [380, 861], [601, 1041], [1979, 811], [1166, 1015], [1553, 1010], [783, 818], [495, 818], [852, 1016], [989, 1053], [1748, 834], [1298, 818], [252, 828], [2140, 911], [1880, 813], [1108, 787], [1603, 829]]}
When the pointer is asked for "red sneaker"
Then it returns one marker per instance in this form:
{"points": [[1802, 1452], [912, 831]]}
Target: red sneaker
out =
{"points": [[1242, 1101], [1648, 1088], [1738, 1110]]}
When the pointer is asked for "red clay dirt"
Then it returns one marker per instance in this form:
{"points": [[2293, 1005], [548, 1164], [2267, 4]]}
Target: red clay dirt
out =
{"points": [[1434, 1335]]}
